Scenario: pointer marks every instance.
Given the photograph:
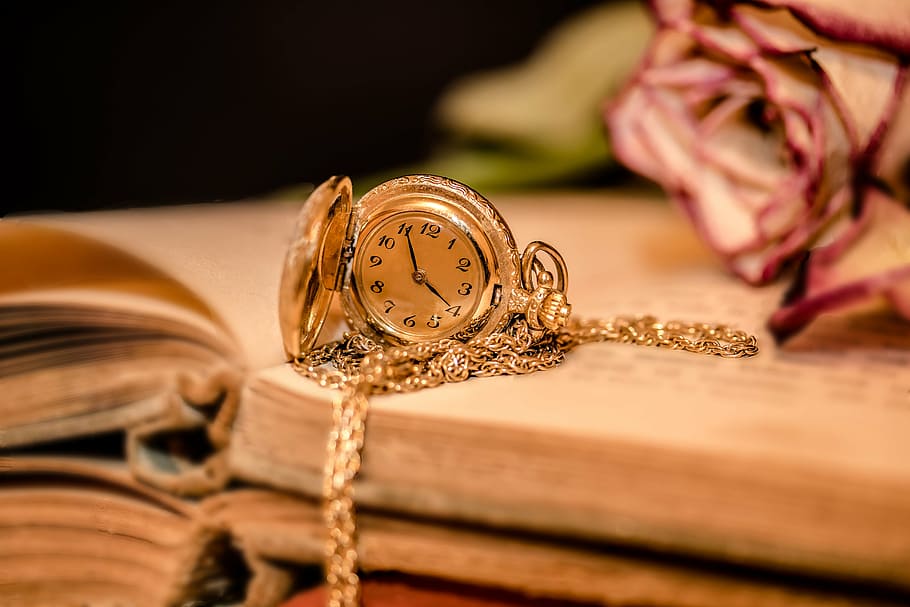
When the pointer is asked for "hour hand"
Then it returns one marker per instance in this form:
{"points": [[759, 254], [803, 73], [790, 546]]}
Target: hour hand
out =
{"points": [[407, 235], [436, 293]]}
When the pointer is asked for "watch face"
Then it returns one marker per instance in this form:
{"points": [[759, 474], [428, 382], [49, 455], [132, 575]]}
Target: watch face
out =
{"points": [[419, 275]]}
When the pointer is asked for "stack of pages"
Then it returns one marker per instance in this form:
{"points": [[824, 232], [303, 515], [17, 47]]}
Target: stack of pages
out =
{"points": [[627, 476]]}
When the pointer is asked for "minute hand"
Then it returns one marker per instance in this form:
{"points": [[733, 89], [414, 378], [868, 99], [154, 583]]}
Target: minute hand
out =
{"points": [[436, 293]]}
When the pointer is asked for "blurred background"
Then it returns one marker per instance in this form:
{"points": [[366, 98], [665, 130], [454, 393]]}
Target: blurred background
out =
{"points": [[146, 103]]}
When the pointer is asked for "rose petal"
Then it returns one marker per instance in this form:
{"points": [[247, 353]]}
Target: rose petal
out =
{"points": [[727, 226], [745, 153], [817, 141], [801, 140], [777, 248], [860, 79], [760, 182], [879, 241], [695, 72], [785, 208], [726, 40], [794, 89], [830, 221], [862, 84], [774, 31], [669, 12], [668, 132], [668, 47], [789, 82], [815, 134], [700, 98], [622, 121], [871, 260], [884, 24], [650, 133], [893, 162], [836, 150]]}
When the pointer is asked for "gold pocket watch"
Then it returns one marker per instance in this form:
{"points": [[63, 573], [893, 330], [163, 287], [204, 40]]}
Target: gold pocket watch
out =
{"points": [[417, 259], [437, 292]]}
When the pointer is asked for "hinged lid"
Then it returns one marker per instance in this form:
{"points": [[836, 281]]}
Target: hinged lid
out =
{"points": [[312, 266]]}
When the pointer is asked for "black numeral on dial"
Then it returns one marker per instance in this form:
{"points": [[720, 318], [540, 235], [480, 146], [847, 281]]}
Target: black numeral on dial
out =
{"points": [[409, 320], [463, 264], [376, 287], [387, 242], [430, 229], [405, 228], [375, 260], [454, 311], [465, 288], [433, 322], [389, 304]]}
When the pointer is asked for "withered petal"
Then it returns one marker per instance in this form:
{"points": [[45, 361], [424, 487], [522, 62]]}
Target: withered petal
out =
{"points": [[871, 259], [884, 24]]}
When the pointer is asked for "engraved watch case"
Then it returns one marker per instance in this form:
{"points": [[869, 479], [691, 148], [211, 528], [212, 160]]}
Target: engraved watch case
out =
{"points": [[326, 235]]}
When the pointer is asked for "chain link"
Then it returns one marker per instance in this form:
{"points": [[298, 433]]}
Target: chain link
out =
{"points": [[700, 338], [360, 367]]}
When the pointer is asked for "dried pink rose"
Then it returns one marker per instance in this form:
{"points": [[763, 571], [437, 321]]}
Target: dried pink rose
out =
{"points": [[871, 260], [763, 120]]}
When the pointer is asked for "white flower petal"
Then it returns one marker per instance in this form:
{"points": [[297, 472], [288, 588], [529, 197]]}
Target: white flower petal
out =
{"points": [[862, 83], [672, 11], [789, 82], [622, 117], [728, 227], [893, 162], [871, 260], [744, 151], [697, 72], [776, 31], [884, 24], [727, 40]]}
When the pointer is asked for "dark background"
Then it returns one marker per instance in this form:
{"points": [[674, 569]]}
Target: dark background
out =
{"points": [[141, 103]]}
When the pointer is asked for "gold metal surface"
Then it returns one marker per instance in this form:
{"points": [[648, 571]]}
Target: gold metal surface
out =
{"points": [[481, 237], [311, 266]]}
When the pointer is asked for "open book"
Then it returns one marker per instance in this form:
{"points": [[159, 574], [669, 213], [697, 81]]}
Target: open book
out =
{"points": [[797, 460], [146, 320]]}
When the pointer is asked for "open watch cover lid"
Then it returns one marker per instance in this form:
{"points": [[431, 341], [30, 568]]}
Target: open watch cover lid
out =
{"points": [[313, 265]]}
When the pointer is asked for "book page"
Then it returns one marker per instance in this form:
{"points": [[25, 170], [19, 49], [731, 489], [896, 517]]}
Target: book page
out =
{"points": [[40, 258], [229, 254], [124, 317]]}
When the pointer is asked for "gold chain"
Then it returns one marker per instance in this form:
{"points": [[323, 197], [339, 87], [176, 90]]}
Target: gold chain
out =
{"points": [[360, 367]]}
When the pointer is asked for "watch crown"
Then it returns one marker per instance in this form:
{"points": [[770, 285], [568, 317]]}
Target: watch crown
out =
{"points": [[547, 309], [554, 311]]}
